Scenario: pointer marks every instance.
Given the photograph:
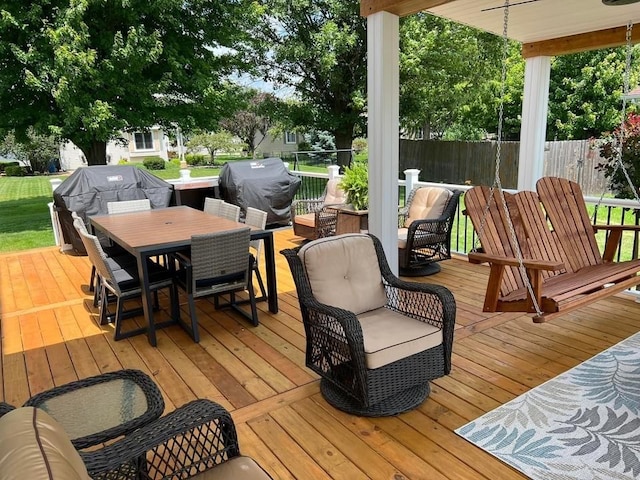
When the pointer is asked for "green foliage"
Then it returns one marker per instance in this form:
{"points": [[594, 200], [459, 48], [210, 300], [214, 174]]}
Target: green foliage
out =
{"points": [[355, 183], [214, 142], [15, 171], [255, 117], [319, 50], [174, 163], [4, 165], [197, 159], [154, 163], [585, 92], [359, 145], [36, 151], [447, 72], [608, 146], [87, 70], [123, 161]]}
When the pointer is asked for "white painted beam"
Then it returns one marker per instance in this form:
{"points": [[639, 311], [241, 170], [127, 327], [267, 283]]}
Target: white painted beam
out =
{"points": [[383, 94], [535, 105]]}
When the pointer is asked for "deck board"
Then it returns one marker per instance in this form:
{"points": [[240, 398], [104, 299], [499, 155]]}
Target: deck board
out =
{"points": [[50, 336]]}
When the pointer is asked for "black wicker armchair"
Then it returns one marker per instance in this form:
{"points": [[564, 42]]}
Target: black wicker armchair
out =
{"points": [[424, 233], [375, 340], [315, 218]]}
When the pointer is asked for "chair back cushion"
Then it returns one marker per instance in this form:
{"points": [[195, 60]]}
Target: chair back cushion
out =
{"points": [[34, 446], [334, 194], [343, 272], [427, 203]]}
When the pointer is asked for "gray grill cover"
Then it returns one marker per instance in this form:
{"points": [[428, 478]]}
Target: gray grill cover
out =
{"points": [[263, 184], [87, 191]]}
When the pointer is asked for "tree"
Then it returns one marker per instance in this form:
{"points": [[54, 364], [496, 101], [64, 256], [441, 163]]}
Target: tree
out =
{"points": [[446, 74], [253, 119], [319, 50], [85, 70], [36, 151], [585, 92], [213, 142]]}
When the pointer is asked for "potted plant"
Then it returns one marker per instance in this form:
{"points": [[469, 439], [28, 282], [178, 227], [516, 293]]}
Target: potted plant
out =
{"points": [[355, 184]]}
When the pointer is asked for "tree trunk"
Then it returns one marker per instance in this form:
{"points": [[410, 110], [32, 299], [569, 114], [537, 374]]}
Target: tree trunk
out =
{"points": [[96, 153], [343, 141]]}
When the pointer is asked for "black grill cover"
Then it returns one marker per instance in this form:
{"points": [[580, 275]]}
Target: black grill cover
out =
{"points": [[87, 191], [263, 184]]}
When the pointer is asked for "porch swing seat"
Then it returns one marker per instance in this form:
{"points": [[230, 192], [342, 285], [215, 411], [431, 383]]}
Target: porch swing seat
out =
{"points": [[561, 257]]}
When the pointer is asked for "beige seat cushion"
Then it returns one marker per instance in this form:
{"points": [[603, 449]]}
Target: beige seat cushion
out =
{"points": [[427, 203], [343, 272], [390, 336], [238, 468], [402, 237], [34, 446], [334, 194], [306, 219]]}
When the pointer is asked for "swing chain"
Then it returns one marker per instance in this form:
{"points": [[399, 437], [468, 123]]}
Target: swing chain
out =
{"points": [[497, 183]]}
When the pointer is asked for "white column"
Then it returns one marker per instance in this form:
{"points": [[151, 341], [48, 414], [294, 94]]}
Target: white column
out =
{"points": [[383, 49], [535, 104]]}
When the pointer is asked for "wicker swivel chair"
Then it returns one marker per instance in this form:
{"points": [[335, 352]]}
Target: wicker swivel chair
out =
{"points": [[123, 283], [424, 236], [375, 340], [312, 219], [218, 263]]}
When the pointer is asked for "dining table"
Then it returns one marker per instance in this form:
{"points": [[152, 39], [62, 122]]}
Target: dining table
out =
{"points": [[157, 232]]}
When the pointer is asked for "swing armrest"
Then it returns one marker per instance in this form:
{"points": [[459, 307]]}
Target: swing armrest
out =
{"points": [[513, 262]]}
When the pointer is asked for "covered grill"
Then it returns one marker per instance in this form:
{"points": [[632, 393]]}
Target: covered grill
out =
{"points": [[263, 184], [88, 190]]}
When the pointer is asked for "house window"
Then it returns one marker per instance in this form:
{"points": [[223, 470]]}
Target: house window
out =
{"points": [[143, 140], [290, 138]]}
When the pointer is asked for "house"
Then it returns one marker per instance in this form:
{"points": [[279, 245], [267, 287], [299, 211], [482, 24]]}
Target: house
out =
{"points": [[136, 147], [278, 145]]}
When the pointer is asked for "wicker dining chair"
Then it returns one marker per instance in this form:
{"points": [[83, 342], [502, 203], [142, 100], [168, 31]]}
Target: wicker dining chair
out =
{"points": [[212, 206], [257, 218], [229, 211], [376, 341], [123, 282], [127, 206], [218, 263]]}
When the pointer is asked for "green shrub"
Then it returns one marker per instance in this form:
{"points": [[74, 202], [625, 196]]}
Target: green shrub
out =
{"points": [[197, 159], [154, 163], [15, 171], [175, 162], [123, 161], [4, 165]]}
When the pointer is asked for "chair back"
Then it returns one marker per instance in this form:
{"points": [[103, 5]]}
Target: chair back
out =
{"points": [[333, 193], [127, 206], [212, 205], [96, 254], [426, 203], [220, 261], [81, 223], [344, 271], [256, 218], [229, 211]]}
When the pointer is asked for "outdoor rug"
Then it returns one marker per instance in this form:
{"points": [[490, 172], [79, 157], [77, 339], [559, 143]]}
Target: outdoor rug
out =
{"points": [[583, 424]]}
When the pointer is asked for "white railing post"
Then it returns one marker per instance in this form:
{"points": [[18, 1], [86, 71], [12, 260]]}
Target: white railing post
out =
{"points": [[410, 181], [334, 171]]}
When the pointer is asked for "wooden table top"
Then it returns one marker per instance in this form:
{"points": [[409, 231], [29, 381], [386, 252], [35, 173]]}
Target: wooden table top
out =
{"points": [[159, 227]]}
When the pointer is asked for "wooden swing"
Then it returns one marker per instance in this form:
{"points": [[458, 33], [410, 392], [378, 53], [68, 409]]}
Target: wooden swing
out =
{"points": [[541, 246], [562, 264]]}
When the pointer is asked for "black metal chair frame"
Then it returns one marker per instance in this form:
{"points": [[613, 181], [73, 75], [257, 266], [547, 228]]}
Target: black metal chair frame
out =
{"points": [[335, 350], [428, 240]]}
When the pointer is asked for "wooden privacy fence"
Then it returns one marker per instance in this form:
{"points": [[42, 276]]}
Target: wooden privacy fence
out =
{"points": [[473, 163]]}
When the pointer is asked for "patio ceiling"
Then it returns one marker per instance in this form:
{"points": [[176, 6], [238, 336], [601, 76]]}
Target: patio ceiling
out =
{"points": [[544, 27]]}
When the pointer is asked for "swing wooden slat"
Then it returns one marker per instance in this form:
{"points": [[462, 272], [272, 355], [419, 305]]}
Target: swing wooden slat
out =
{"points": [[563, 264]]}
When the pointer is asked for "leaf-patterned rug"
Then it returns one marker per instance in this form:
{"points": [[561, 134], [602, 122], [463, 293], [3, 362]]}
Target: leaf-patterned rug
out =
{"points": [[583, 424]]}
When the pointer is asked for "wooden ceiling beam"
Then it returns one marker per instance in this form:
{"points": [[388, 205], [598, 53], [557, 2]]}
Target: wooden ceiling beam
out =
{"points": [[608, 38], [401, 8]]}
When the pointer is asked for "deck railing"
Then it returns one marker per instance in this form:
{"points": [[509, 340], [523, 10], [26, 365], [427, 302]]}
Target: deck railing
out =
{"points": [[606, 211]]}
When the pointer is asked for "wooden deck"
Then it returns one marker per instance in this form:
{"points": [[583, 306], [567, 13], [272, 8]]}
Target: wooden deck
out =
{"points": [[50, 337]]}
